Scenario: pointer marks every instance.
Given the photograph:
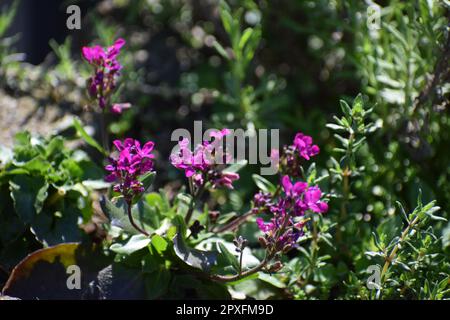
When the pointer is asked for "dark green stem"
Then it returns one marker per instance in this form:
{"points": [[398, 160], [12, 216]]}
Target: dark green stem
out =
{"points": [[103, 131], [240, 261], [195, 196], [241, 275], [130, 217]]}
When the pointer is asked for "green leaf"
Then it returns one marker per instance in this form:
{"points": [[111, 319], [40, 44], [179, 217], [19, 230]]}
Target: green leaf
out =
{"points": [[228, 257], [252, 45], [335, 127], [446, 237], [245, 36], [118, 214], [7, 16], [135, 243], [86, 137], [38, 164], [345, 108], [220, 49], [96, 184], [147, 180], [227, 19], [236, 166], [183, 203], [358, 106], [11, 226], [28, 194], [59, 223], [178, 221], [430, 212], [155, 200], [157, 283], [54, 147], [263, 184], [271, 279], [253, 276], [203, 260], [159, 243]]}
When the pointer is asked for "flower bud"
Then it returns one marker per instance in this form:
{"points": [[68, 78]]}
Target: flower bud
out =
{"points": [[263, 242], [286, 248], [213, 216], [276, 267]]}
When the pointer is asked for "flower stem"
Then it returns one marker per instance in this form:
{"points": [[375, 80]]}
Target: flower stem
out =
{"points": [[240, 261], [236, 222], [133, 223], [241, 274], [314, 248], [103, 132], [269, 255], [345, 197], [195, 196]]}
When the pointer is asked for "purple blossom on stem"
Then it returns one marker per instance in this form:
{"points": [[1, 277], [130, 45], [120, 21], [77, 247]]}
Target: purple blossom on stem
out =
{"points": [[206, 162], [294, 155], [129, 165], [304, 146], [288, 209], [106, 69], [312, 200]]}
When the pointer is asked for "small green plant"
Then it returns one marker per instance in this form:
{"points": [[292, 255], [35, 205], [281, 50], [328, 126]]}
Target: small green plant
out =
{"points": [[46, 193], [245, 104]]}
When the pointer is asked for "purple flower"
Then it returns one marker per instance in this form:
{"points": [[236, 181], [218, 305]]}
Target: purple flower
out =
{"points": [[294, 190], [186, 160], [100, 57], [106, 69], [262, 199], [284, 227], [129, 165], [114, 50], [225, 179], [312, 200], [265, 227], [205, 163], [219, 135], [117, 108], [275, 157], [94, 55], [288, 206], [304, 146]]}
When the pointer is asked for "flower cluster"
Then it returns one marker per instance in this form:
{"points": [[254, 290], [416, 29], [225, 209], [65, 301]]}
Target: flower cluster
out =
{"points": [[106, 69], [286, 225], [293, 155], [303, 144], [129, 165], [206, 163], [289, 205]]}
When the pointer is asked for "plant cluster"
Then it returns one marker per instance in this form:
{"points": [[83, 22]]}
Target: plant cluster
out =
{"points": [[358, 208]]}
